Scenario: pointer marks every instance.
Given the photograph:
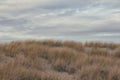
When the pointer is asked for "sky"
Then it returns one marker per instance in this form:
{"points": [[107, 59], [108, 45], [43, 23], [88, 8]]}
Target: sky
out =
{"points": [[80, 20]]}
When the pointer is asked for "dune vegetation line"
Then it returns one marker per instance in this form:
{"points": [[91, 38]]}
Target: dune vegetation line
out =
{"points": [[59, 60]]}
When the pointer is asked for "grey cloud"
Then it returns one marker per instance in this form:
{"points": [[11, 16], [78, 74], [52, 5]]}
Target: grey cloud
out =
{"points": [[57, 4], [110, 28], [61, 18], [12, 22]]}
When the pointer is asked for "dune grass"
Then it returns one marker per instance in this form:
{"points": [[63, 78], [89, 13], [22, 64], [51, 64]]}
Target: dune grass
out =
{"points": [[59, 60]]}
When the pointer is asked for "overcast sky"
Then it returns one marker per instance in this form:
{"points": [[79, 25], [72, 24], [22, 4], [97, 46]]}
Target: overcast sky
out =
{"points": [[81, 20]]}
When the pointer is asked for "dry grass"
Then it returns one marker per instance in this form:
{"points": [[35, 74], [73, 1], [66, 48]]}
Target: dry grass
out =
{"points": [[101, 45], [59, 60]]}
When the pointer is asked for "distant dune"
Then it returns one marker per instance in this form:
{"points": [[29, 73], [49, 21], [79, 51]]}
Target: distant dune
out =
{"points": [[59, 60]]}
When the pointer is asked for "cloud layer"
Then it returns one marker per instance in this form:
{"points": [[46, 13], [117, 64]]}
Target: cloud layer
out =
{"points": [[80, 20]]}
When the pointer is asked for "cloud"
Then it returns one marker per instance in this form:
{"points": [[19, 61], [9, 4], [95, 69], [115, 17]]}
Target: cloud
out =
{"points": [[16, 5], [59, 19]]}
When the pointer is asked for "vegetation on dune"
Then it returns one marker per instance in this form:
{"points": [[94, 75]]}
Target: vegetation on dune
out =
{"points": [[59, 60]]}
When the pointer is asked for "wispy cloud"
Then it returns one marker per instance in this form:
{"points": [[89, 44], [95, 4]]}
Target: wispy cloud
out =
{"points": [[59, 19]]}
